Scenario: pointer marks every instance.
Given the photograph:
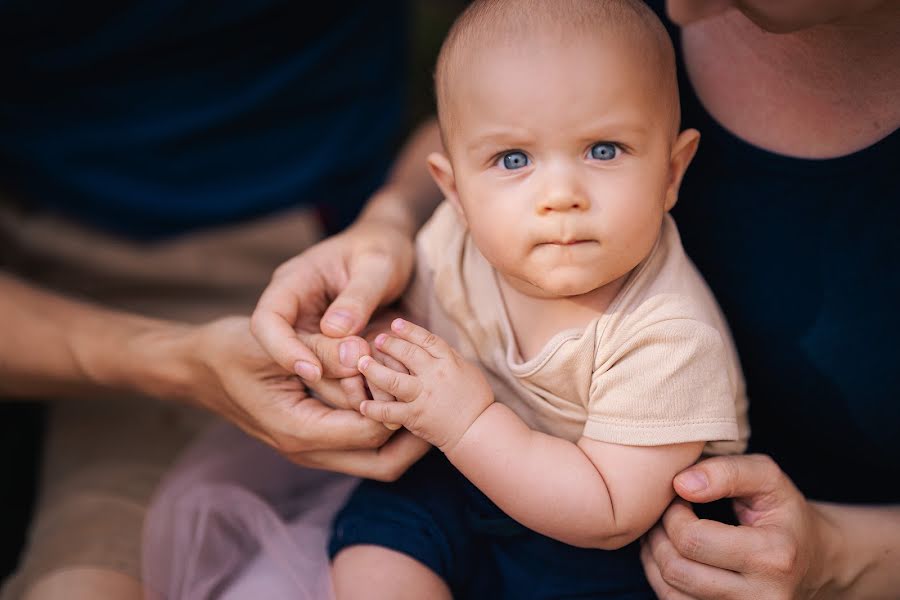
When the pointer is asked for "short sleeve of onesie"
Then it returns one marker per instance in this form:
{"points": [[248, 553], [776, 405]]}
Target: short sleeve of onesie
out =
{"points": [[667, 382]]}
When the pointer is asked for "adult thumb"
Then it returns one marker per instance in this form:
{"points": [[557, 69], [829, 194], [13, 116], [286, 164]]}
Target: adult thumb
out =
{"points": [[753, 476], [371, 276]]}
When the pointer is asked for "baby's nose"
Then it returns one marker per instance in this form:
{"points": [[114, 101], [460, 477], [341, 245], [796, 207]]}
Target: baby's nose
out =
{"points": [[563, 200]]}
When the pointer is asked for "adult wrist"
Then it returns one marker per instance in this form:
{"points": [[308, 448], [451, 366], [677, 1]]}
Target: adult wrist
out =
{"points": [[153, 358], [390, 206], [835, 567]]}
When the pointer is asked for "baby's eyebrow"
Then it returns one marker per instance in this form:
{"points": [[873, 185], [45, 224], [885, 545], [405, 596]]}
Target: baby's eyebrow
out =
{"points": [[494, 139]]}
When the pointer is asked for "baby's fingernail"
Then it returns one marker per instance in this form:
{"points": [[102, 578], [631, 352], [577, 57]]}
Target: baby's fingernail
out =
{"points": [[306, 370], [349, 353], [379, 339], [364, 363], [398, 324], [693, 481], [340, 320]]}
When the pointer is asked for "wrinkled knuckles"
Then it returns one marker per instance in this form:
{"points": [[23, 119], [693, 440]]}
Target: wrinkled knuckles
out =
{"points": [[673, 570], [688, 541], [393, 386], [429, 340], [407, 352]]}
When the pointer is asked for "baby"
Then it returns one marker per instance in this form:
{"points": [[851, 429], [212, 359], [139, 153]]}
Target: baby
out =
{"points": [[574, 361]]}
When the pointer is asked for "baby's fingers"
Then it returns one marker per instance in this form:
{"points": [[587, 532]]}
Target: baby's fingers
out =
{"points": [[399, 385], [421, 337], [386, 412]]}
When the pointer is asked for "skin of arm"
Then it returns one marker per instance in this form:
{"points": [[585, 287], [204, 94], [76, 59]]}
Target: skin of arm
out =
{"points": [[60, 347], [589, 494], [785, 546], [55, 345]]}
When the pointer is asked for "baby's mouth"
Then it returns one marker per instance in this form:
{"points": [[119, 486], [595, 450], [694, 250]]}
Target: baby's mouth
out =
{"points": [[567, 242]]}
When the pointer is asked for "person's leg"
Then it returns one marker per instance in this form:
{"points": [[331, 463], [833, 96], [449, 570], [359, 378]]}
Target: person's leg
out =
{"points": [[376, 573], [406, 539], [85, 583], [102, 461]]}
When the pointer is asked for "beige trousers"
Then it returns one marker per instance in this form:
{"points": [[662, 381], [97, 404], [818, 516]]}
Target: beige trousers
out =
{"points": [[103, 458]]}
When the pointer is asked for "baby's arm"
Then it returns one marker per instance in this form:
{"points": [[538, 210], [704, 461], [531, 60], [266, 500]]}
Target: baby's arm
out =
{"points": [[590, 494]]}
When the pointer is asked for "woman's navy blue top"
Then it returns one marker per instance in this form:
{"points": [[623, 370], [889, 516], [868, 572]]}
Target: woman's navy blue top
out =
{"points": [[153, 117], [804, 258]]}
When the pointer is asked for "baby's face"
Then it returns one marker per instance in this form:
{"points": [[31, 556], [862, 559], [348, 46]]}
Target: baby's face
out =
{"points": [[560, 156]]}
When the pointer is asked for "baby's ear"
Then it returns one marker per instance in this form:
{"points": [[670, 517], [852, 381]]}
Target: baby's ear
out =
{"points": [[442, 172], [683, 151]]}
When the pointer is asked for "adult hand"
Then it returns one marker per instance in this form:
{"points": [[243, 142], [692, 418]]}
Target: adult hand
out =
{"points": [[233, 376], [333, 287], [778, 551]]}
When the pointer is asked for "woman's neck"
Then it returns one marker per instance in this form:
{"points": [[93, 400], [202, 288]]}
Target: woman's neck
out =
{"points": [[822, 92]]}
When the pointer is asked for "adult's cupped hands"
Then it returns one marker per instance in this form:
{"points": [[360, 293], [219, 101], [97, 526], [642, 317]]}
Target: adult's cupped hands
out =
{"points": [[332, 288]]}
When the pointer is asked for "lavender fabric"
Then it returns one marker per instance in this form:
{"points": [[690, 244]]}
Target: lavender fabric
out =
{"points": [[234, 519]]}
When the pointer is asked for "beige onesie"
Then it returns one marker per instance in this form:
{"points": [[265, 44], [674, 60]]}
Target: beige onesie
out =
{"points": [[657, 367]]}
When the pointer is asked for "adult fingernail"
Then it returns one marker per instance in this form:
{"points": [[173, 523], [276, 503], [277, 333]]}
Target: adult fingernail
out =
{"points": [[348, 353], [340, 320], [693, 481], [306, 370]]}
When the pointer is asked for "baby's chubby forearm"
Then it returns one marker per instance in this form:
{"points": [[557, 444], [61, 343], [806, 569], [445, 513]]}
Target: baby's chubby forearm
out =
{"points": [[546, 483]]}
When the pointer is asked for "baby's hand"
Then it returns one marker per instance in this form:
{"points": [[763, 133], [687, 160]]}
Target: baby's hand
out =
{"points": [[439, 399]]}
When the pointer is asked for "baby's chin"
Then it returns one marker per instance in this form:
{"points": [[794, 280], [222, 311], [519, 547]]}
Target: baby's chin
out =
{"points": [[565, 283]]}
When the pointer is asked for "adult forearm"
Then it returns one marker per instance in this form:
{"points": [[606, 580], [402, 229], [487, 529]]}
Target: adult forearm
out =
{"points": [[863, 554], [57, 346], [546, 483], [409, 195]]}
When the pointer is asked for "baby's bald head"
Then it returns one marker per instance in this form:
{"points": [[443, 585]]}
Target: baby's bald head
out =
{"points": [[510, 24]]}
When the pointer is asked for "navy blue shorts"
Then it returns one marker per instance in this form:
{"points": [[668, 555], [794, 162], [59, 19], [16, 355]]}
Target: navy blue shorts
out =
{"points": [[439, 518]]}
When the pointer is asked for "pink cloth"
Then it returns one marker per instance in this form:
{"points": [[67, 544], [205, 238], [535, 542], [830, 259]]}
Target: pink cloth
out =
{"points": [[234, 519]]}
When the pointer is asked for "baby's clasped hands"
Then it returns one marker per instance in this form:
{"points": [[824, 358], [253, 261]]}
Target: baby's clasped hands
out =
{"points": [[439, 399]]}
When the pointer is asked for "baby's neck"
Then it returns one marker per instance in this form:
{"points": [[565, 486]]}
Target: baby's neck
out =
{"points": [[535, 320]]}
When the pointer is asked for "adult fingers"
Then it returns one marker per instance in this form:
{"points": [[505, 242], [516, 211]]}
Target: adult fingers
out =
{"points": [[421, 337], [386, 463], [713, 543], [354, 391], [694, 579], [754, 477], [272, 324], [663, 590], [399, 385], [338, 356], [371, 276], [387, 412], [319, 427], [332, 393]]}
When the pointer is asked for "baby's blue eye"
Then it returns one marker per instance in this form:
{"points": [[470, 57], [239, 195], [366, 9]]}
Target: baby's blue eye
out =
{"points": [[603, 151], [515, 160]]}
